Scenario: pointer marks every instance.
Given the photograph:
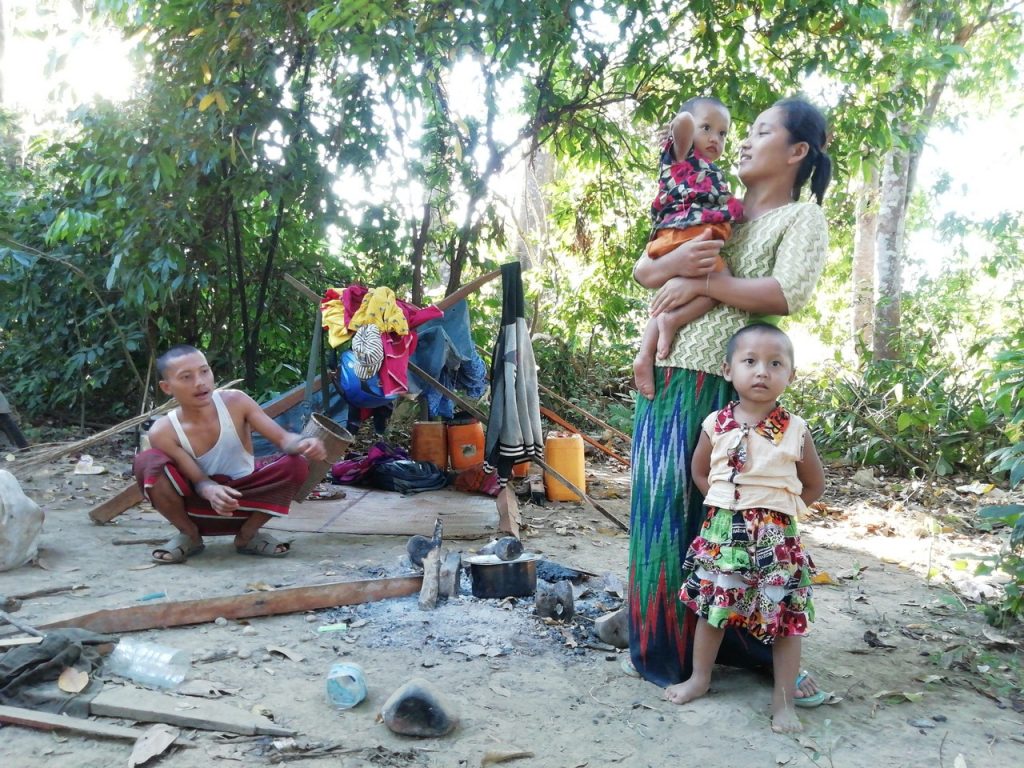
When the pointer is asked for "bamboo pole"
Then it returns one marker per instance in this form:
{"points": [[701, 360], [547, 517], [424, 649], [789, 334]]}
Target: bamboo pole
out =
{"points": [[99, 437]]}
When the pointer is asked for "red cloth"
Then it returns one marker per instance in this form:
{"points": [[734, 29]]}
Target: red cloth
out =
{"points": [[394, 371], [269, 489]]}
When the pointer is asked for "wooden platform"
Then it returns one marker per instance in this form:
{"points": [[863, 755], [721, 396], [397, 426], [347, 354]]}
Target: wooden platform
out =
{"points": [[369, 511]]}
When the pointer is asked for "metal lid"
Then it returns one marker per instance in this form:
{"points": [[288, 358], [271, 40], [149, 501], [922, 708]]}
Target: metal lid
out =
{"points": [[495, 560]]}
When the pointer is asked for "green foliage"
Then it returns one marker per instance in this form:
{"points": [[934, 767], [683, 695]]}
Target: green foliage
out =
{"points": [[1009, 399]]}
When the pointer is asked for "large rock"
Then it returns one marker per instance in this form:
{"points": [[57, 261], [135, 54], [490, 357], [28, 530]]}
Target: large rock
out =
{"points": [[21, 520], [613, 628], [417, 710]]}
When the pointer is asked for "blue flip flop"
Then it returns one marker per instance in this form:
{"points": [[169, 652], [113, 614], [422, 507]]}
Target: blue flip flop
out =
{"points": [[814, 700]]}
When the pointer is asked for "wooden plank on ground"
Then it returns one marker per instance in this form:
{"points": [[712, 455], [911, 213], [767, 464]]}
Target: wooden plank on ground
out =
{"points": [[367, 511], [153, 707], [111, 508], [279, 601], [50, 722]]}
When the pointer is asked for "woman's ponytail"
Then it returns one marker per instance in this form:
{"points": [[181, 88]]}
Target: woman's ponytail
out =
{"points": [[821, 176], [806, 123]]}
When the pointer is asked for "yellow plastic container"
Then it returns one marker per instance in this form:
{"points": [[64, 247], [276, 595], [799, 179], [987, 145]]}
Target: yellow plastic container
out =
{"points": [[430, 443], [465, 444], [564, 454]]}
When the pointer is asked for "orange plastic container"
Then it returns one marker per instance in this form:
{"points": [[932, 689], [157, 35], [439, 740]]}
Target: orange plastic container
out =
{"points": [[465, 444], [430, 443], [564, 454], [521, 470]]}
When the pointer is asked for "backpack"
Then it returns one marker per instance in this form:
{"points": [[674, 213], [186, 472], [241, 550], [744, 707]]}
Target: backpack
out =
{"points": [[407, 476]]}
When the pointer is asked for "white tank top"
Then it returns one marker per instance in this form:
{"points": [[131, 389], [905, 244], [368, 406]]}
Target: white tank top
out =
{"points": [[228, 456]]}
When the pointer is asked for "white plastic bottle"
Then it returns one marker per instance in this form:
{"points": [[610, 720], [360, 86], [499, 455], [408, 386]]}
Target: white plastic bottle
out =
{"points": [[158, 666]]}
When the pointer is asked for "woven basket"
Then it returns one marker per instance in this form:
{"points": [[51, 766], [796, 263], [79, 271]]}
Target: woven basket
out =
{"points": [[336, 440]]}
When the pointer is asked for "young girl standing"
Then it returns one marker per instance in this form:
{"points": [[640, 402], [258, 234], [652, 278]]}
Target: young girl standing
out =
{"points": [[758, 469]]}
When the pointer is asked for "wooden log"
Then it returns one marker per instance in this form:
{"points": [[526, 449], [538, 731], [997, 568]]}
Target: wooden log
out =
{"points": [[112, 507], [47, 721], [279, 601], [548, 413], [153, 707], [431, 577]]}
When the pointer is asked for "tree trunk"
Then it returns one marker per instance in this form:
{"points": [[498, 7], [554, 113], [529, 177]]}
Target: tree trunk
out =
{"points": [[892, 212], [532, 220], [864, 235]]}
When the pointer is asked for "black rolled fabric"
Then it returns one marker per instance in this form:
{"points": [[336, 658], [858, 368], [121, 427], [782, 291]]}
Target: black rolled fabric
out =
{"points": [[513, 428]]}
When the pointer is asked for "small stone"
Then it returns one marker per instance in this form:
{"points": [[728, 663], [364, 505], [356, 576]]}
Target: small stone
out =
{"points": [[415, 709], [311, 619], [245, 654], [220, 621], [266, 657], [613, 628], [249, 630]]}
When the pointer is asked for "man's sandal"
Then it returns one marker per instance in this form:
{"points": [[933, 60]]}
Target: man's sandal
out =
{"points": [[180, 549], [264, 545]]}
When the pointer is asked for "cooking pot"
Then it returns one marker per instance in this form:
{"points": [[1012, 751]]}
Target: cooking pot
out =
{"points": [[493, 577]]}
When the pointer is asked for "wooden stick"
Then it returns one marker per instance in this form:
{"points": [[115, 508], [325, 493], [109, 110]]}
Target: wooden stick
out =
{"points": [[123, 542], [9, 642], [49, 722], [548, 413], [28, 629], [153, 707], [273, 603], [101, 436], [589, 415], [474, 285], [49, 591]]}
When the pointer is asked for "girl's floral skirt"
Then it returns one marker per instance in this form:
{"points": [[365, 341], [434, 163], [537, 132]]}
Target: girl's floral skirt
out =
{"points": [[747, 568]]}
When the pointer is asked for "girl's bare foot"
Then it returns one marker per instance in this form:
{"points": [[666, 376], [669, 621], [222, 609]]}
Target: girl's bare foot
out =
{"points": [[643, 375], [694, 688], [784, 719]]}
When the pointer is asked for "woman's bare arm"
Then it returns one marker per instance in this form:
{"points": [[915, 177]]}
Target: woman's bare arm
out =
{"points": [[694, 258]]}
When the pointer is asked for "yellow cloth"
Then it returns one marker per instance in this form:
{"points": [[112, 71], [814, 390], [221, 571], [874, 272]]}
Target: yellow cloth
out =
{"points": [[334, 322], [379, 307]]}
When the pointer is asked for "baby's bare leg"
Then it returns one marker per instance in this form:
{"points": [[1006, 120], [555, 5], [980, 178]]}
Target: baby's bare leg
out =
{"points": [[643, 364], [668, 323]]}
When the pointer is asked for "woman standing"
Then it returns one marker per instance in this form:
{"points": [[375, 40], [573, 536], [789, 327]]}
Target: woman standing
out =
{"points": [[775, 257]]}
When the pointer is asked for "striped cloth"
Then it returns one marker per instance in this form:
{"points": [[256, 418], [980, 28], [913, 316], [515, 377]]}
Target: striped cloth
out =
{"points": [[513, 427]]}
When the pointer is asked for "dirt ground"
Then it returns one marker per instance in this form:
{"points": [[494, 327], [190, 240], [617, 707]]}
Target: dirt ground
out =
{"points": [[922, 679]]}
